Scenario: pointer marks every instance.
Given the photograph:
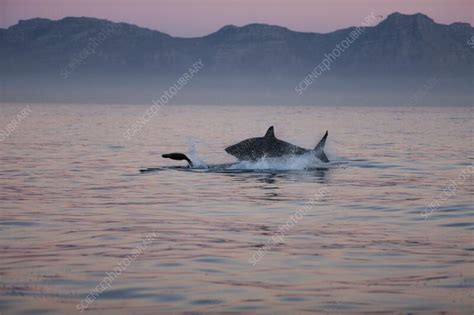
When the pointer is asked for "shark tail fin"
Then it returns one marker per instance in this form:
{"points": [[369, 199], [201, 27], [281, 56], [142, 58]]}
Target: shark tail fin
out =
{"points": [[319, 149]]}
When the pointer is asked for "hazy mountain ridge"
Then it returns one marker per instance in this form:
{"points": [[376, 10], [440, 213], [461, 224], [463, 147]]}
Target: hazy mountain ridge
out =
{"points": [[403, 44], [255, 63]]}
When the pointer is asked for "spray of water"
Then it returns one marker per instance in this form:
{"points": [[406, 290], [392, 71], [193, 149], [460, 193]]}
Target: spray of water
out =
{"points": [[194, 156], [293, 162], [287, 163]]}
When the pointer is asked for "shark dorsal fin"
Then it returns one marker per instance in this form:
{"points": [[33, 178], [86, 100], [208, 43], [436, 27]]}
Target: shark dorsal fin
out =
{"points": [[270, 133]]}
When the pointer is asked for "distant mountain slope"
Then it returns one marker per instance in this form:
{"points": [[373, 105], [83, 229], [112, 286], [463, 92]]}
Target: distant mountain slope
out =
{"points": [[403, 44], [80, 59]]}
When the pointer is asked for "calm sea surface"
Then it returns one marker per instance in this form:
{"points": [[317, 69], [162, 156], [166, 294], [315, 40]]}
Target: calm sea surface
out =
{"points": [[76, 214]]}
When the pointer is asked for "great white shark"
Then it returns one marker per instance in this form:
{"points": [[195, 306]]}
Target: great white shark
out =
{"points": [[269, 145]]}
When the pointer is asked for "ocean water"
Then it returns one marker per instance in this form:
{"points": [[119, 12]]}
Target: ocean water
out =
{"points": [[386, 226]]}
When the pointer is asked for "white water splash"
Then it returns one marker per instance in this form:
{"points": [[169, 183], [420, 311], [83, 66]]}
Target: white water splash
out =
{"points": [[198, 162], [293, 162], [288, 163]]}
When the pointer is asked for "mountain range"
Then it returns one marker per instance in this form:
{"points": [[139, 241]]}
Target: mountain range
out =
{"points": [[75, 50]]}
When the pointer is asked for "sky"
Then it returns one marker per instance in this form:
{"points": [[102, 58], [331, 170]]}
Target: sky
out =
{"points": [[189, 18]]}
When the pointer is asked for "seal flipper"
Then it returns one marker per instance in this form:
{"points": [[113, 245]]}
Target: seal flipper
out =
{"points": [[178, 157], [319, 149]]}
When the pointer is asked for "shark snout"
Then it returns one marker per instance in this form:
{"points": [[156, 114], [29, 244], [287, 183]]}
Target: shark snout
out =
{"points": [[230, 149]]}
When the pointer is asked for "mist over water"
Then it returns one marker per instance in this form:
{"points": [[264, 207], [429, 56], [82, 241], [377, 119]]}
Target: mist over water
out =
{"points": [[74, 204]]}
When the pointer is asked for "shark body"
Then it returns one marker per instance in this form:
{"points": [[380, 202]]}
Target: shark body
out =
{"points": [[267, 146], [270, 146]]}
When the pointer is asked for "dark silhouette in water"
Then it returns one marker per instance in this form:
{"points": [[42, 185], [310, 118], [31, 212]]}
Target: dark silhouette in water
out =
{"points": [[267, 146], [270, 146], [177, 157]]}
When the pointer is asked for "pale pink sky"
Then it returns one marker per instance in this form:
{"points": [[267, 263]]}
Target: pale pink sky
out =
{"points": [[199, 17]]}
